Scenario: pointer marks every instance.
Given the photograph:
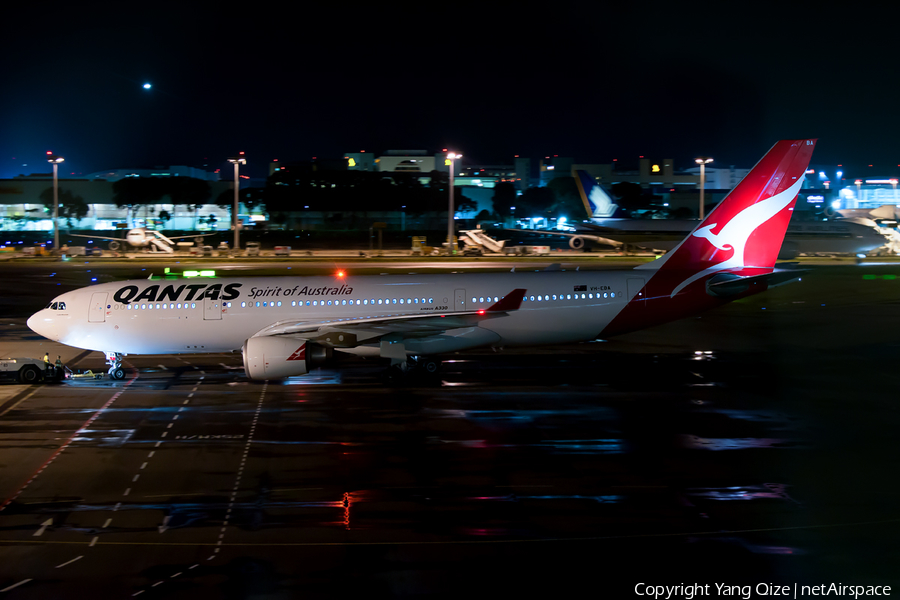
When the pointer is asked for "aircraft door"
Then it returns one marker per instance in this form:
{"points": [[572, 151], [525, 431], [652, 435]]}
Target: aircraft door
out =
{"points": [[636, 289], [212, 309], [98, 308], [459, 301]]}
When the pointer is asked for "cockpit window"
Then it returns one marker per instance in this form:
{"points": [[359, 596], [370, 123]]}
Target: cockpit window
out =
{"points": [[57, 306], [62, 306]]}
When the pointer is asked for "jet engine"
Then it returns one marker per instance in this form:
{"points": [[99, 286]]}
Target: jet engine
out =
{"points": [[576, 243], [279, 357]]}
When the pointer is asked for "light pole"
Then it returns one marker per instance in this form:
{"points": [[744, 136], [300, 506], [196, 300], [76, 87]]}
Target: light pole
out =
{"points": [[702, 161], [55, 160], [858, 184], [237, 161], [894, 185], [451, 248]]}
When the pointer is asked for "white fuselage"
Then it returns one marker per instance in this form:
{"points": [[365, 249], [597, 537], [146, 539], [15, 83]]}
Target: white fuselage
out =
{"points": [[218, 315]]}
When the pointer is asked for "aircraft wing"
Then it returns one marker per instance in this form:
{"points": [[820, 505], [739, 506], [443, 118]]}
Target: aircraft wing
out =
{"points": [[196, 235], [581, 236], [348, 333], [97, 237]]}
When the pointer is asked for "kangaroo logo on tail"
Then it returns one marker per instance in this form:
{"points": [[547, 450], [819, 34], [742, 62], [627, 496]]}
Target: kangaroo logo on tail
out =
{"points": [[737, 231]]}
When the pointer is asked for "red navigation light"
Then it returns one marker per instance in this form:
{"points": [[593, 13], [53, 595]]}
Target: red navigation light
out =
{"points": [[340, 274], [481, 312]]}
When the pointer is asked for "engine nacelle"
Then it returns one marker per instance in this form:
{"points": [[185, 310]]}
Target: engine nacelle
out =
{"points": [[279, 357], [576, 243]]}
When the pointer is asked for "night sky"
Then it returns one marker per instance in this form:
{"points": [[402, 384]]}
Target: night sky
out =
{"points": [[596, 81]]}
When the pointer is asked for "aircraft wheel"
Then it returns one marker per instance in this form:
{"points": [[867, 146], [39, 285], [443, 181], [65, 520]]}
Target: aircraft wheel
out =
{"points": [[431, 366], [117, 373], [29, 374]]}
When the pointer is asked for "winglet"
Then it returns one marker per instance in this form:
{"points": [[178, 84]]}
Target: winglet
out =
{"points": [[511, 301]]}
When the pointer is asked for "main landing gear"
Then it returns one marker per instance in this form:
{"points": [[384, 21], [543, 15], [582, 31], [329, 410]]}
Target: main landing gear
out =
{"points": [[114, 360], [414, 367]]}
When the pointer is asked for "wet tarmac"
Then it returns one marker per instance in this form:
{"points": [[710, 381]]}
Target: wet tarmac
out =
{"points": [[754, 444]]}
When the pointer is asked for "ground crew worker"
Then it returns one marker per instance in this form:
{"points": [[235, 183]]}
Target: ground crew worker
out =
{"points": [[47, 358], [59, 362]]}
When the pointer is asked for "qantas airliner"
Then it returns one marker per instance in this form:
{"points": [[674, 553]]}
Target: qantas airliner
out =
{"points": [[285, 326]]}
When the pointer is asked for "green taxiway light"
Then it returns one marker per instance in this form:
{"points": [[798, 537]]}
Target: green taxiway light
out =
{"points": [[209, 273]]}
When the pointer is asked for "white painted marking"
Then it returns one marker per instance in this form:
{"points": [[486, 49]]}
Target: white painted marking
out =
{"points": [[128, 491], [165, 524], [137, 593], [43, 528], [93, 541], [186, 401], [191, 395], [169, 425], [194, 567], [156, 584], [175, 575], [15, 585], [108, 521], [165, 433], [135, 478], [116, 507], [70, 562], [175, 418], [144, 466], [157, 445]]}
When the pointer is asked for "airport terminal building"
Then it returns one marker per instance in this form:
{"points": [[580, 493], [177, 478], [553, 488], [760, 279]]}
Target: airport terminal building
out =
{"points": [[25, 200]]}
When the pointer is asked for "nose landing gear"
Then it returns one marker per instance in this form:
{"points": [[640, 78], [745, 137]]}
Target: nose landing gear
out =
{"points": [[114, 360]]}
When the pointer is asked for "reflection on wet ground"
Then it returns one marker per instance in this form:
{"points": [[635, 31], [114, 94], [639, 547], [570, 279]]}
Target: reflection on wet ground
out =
{"points": [[758, 456]]}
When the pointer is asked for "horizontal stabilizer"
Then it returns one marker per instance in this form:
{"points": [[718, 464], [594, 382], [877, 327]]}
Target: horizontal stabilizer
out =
{"points": [[725, 285]]}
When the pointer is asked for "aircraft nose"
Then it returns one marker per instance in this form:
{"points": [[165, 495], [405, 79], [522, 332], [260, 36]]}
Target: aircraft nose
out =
{"points": [[41, 323]]}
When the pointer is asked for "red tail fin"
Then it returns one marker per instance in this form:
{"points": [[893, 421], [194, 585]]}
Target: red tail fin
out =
{"points": [[744, 233]]}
